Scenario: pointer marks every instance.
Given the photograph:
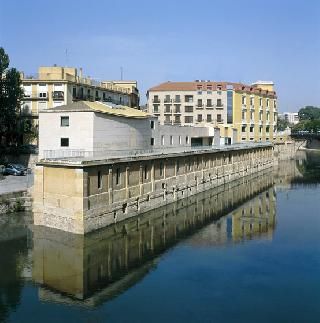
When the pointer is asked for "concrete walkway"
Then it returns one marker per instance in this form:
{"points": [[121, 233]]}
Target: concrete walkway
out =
{"points": [[15, 183]]}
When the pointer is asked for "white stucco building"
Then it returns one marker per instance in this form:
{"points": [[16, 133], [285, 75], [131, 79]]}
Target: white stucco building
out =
{"points": [[90, 129]]}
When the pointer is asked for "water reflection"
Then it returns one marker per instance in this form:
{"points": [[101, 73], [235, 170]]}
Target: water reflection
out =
{"points": [[14, 261], [91, 269]]}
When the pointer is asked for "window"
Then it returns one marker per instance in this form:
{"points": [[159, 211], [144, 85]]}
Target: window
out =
{"points": [[155, 108], [167, 108], [209, 103], [219, 103], [178, 166], [199, 92], [200, 103], [187, 140], [177, 119], [188, 119], [152, 141], [167, 98], [188, 108], [260, 102], [156, 99], [177, 98], [145, 172], [177, 108], [267, 103], [42, 94], [64, 122], [251, 129], [161, 168], [167, 119], [152, 124], [209, 117], [219, 119], [209, 92], [99, 180], [199, 119], [171, 140], [64, 142], [162, 140], [180, 140], [243, 128], [118, 176], [188, 98], [267, 129], [243, 100], [74, 92], [251, 101]]}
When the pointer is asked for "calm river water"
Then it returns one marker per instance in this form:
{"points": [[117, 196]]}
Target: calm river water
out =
{"points": [[247, 252]]}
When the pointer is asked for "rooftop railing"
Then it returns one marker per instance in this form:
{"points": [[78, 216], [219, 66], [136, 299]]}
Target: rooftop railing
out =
{"points": [[82, 155]]}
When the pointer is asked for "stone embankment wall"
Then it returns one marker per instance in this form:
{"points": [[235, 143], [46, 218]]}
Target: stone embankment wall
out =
{"points": [[15, 202], [286, 150], [80, 197]]}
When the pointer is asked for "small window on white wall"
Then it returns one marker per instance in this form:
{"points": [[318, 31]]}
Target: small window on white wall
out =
{"points": [[179, 140], [64, 121], [171, 140], [162, 140]]}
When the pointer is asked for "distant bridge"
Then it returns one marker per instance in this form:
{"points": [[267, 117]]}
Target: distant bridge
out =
{"points": [[312, 139]]}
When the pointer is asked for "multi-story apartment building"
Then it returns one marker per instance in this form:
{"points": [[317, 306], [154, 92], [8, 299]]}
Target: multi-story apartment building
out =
{"points": [[250, 109], [56, 85], [291, 117]]}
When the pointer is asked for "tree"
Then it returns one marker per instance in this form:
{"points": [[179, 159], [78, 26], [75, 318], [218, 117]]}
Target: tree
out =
{"points": [[282, 124], [11, 94], [309, 113]]}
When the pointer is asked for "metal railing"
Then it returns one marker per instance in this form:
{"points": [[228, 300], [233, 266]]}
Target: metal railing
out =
{"points": [[81, 154]]}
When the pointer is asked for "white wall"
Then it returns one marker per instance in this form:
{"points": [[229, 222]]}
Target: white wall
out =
{"points": [[119, 133], [79, 132]]}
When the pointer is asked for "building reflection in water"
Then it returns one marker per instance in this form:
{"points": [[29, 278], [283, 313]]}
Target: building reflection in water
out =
{"points": [[90, 269]]}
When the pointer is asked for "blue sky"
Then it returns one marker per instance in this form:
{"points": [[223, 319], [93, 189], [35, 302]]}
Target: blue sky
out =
{"points": [[157, 41]]}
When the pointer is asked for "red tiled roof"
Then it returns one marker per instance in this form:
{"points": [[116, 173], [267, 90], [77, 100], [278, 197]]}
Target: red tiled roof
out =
{"points": [[208, 86]]}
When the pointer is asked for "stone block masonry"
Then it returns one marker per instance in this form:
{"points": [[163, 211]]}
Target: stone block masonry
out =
{"points": [[82, 196]]}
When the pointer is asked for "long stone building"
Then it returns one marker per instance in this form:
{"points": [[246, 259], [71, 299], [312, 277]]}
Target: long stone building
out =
{"points": [[79, 195], [251, 109]]}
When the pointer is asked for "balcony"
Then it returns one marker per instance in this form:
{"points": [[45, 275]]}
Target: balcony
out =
{"points": [[260, 122], [57, 95], [156, 101], [219, 106], [261, 108], [178, 111], [167, 111], [177, 101], [244, 107], [252, 121], [199, 106], [35, 96], [267, 122], [252, 108], [167, 101], [267, 109], [244, 121], [98, 98]]}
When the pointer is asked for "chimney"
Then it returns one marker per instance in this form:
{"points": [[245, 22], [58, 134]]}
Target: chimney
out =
{"points": [[80, 72]]}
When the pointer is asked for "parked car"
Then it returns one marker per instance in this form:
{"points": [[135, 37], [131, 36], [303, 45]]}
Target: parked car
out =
{"points": [[15, 169]]}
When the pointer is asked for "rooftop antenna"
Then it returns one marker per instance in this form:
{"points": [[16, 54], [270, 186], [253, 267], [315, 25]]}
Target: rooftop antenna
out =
{"points": [[121, 73], [66, 57]]}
